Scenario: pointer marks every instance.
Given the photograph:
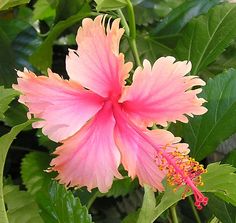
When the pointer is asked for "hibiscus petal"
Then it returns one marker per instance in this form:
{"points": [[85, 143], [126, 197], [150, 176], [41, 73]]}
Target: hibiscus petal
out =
{"points": [[96, 64], [163, 93], [138, 149], [63, 105], [90, 157]]}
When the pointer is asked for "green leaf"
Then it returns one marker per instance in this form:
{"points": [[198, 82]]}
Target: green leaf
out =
{"points": [[231, 158], [226, 213], [145, 12], [15, 53], [25, 43], [12, 27], [33, 173], [21, 207], [148, 206], [57, 204], [5, 143], [65, 10], [150, 48], [149, 11], [131, 218], [219, 179], [16, 114], [6, 97], [42, 57], [107, 5], [214, 220], [206, 37], [225, 61], [6, 4], [204, 133], [121, 187], [60, 205], [7, 61], [21, 47], [43, 10], [43, 140], [181, 15]]}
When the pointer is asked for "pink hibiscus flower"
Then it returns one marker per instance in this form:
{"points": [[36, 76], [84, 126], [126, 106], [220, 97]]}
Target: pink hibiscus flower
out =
{"points": [[102, 123]]}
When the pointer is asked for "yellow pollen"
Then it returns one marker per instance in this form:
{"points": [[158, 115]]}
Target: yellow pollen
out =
{"points": [[179, 168]]}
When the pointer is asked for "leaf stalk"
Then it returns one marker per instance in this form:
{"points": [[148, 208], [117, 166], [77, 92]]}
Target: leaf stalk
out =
{"points": [[132, 32], [173, 213], [197, 218]]}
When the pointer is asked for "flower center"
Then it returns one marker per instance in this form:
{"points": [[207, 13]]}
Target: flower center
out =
{"points": [[114, 97]]}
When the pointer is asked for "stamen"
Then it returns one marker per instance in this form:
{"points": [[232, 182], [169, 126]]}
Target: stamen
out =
{"points": [[182, 170]]}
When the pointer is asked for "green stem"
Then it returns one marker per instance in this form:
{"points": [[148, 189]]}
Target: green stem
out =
{"points": [[123, 22], [3, 212], [132, 32], [134, 48], [148, 206], [92, 199], [131, 16], [198, 220], [173, 214]]}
